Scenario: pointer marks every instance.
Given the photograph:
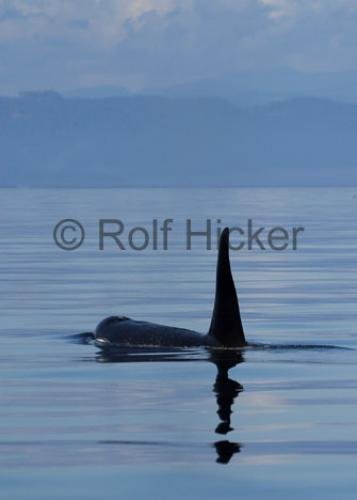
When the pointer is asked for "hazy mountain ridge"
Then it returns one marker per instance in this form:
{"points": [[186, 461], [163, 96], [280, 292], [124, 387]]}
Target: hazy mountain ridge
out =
{"points": [[251, 87], [246, 88], [49, 140]]}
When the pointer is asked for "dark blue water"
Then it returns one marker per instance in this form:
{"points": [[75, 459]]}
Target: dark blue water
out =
{"points": [[76, 423]]}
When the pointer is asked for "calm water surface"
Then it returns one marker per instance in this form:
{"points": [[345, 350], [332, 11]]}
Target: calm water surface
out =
{"points": [[75, 423]]}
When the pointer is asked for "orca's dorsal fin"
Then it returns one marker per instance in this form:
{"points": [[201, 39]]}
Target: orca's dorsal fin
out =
{"points": [[226, 324]]}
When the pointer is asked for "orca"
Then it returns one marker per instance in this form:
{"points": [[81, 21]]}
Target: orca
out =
{"points": [[226, 329]]}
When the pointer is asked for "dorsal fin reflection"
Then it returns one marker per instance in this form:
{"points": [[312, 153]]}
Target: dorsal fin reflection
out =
{"points": [[225, 389]]}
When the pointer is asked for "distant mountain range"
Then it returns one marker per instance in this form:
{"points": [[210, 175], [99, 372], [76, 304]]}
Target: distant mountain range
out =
{"points": [[247, 88], [50, 140]]}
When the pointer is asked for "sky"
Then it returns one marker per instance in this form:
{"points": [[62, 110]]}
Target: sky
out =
{"points": [[141, 44]]}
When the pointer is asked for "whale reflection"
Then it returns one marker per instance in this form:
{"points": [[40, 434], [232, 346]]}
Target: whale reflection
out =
{"points": [[226, 390]]}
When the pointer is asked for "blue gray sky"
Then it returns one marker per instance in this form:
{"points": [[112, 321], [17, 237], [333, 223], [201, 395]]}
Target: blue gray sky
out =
{"points": [[143, 44]]}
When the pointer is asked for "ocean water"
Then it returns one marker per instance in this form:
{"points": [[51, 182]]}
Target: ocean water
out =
{"points": [[154, 423]]}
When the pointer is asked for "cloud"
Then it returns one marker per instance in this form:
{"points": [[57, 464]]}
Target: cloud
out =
{"points": [[280, 9], [66, 43], [106, 20], [102, 19]]}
